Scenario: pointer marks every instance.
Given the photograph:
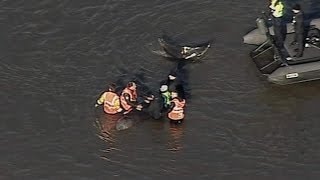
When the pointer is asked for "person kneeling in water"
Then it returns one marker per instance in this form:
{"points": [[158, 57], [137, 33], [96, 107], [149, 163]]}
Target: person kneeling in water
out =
{"points": [[129, 98], [176, 112], [110, 101]]}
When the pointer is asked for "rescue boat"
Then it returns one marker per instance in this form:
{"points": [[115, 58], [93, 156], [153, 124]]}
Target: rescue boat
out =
{"points": [[281, 66]]}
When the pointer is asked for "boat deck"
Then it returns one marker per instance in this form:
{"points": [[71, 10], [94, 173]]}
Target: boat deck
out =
{"points": [[309, 54]]}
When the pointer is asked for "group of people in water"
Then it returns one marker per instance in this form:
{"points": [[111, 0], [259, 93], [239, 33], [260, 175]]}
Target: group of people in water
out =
{"points": [[169, 102], [277, 10]]}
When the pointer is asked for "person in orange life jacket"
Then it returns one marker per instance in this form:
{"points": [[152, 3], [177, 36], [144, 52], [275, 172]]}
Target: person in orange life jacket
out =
{"points": [[110, 101], [129, 97], [176, 112]]}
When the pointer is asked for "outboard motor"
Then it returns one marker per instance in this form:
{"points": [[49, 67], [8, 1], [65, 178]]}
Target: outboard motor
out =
{"points": [[261, 24]]}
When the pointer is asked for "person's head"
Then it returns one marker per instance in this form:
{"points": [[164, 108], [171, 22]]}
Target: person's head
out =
{"points": [[132, 85], [112, 87], [163, 88], [172, 75], [174, 94], [296, 8], [274, 2]]}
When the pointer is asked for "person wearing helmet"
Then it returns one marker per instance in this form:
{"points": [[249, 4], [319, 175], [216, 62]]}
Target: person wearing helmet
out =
{"points": [[176, 112], [110, 101], [166, 96], [129, 97]]}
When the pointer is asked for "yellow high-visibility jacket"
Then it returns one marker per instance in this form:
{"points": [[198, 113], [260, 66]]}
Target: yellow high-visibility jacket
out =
{"points": [[278, 9]]}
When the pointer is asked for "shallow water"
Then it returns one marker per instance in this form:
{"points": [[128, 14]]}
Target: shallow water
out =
{"points": [[58, 56]]}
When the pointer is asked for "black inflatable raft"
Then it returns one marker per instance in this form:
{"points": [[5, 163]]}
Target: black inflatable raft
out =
{"points": [[271, 61]]}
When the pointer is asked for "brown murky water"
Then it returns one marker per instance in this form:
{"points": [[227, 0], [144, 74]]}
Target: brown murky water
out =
{"points": [[57, 57]]}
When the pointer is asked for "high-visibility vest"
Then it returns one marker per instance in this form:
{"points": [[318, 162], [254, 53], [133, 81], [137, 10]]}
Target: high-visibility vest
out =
{"points": [[278, 8], [166, 98], [111, 103], [177, 112], [133, 97]]}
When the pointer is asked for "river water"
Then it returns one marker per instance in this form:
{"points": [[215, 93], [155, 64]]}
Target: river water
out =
{"points": [[58, 56]]}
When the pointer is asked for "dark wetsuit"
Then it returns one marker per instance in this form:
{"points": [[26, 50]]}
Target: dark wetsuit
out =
{"points": [[155, 108], [279, 35], [178, 83], [299, 36]]}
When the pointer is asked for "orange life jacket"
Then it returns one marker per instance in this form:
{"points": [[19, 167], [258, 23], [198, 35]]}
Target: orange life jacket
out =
{"points": [[133, 97], [177, 112], [109, 103]]}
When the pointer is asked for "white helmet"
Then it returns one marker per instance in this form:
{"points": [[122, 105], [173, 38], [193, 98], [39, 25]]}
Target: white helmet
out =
{"points": [[164, 88]]}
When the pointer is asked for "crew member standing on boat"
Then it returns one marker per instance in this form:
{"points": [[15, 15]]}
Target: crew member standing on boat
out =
{"points": [[299, 33], [110, 101], [277, 10], [279, 29]]}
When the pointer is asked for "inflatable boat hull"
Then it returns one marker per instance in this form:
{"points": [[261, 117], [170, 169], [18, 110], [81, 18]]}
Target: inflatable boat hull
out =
{"points": [[295, 73]]}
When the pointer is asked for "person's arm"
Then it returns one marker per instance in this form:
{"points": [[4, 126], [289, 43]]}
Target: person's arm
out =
{"points": [[128, 100], [184, 103], [172, 104], [100, 100], [299, 19]]}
